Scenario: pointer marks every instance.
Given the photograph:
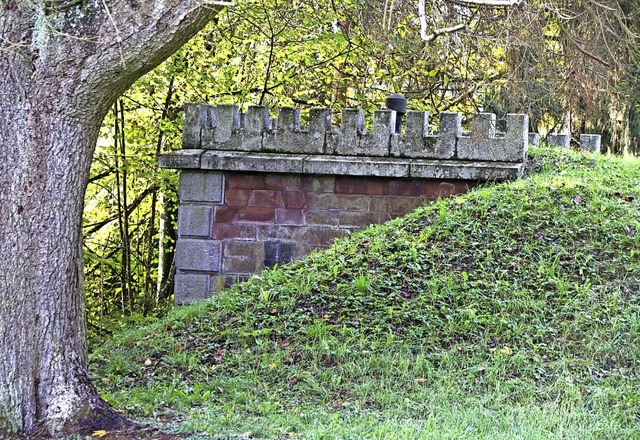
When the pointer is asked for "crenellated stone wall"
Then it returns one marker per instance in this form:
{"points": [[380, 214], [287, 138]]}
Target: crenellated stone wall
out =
{"points": [[256, 191]]}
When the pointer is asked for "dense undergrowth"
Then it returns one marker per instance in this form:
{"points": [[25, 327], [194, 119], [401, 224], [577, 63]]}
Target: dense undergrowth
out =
{"points": [[509, 312]]}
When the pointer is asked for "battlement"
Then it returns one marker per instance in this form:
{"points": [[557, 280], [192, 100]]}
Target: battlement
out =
{"points": [[226, 128]]}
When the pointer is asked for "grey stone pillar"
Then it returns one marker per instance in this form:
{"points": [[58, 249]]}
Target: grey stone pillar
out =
{"points": [[560, 140], [197, 253], [534, 139], [590, 142]]}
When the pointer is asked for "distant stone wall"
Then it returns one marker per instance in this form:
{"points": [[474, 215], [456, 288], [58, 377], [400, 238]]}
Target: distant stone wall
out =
{"points": [[255, 192]]}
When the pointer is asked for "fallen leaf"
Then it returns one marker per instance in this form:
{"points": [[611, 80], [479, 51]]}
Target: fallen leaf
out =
{"points": [[577, 199], [335, 404], [100, 433], [148, 362], [420, 380]]}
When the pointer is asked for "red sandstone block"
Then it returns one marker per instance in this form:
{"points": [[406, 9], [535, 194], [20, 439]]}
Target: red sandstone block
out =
{"points": [[256, 214], [226, 214], [342, 202], [319, 236], [292, 233], [401, 205], [223, 231], [295, 199], [283, 182], [325, 217], [241, 265], [266, 199], [289, 216], [243, 248], [237, 196], [246, 180], [404, 187], [437, 188], [359, 219], [361, 185], [318, 184]]}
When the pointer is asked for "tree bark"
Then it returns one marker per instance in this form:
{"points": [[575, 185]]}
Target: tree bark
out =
{"points": [[62, 65]]}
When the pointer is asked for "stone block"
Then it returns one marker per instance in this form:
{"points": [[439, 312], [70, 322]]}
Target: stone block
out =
{"points": [[195, 116], [355, 166], [295, 199], [484, 171], [359, 219], [289, 137], [560, 140], [256, 214], [195, 221], [246, 180], [264, 198], [223, 231], [242, 265], [237, 196], [243, 248], [290, 216], [343, 202], [283, 182], [198, 255], [190, 288], [222, 123], [180, 159], [483, 143], [251, 162], [323, 217], [317, 183], [361, 185], [277, 252], [201, 186], [534, 139], [590, 142]]}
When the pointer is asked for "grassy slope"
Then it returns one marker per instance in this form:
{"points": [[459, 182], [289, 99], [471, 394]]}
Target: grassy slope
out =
{"points": [[509, 312]]}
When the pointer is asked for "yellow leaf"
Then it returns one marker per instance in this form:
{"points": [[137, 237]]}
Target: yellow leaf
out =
{"points": [[100, 433], [507, 351]]}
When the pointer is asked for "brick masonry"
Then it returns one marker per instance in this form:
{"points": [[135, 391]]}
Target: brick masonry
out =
{"points": [[234, 224]]}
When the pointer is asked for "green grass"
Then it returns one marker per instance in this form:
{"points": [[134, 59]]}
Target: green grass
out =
{"points": [[511, 312]]}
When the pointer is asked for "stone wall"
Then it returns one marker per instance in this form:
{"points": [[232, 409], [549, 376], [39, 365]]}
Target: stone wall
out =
{"points": [[255, 192]]}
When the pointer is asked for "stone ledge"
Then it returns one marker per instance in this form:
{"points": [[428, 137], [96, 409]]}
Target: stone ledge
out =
{"points": [[186, 158], [342, 165]]}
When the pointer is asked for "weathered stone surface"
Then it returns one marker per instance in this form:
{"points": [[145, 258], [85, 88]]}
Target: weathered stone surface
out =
{"points": [[199, 186], [485, 144], [484, 171], [590, 142], [534, 139], [198, 255], [180, 159], [191, 288], [195, 221], [347, 140], [356, 166], [194, 119], [220, 124], [377, 143], [560, 140], [443, 145], [261, 162], [289, 137]]}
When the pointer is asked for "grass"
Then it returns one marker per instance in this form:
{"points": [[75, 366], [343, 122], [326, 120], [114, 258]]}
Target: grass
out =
{"points": [[511, 312]]}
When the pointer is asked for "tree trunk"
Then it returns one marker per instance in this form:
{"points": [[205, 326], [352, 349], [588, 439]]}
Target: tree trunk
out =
{"points": [[62, 65]]}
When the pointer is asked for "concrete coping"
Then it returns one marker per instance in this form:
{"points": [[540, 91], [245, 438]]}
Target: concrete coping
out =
{"points": [[340, 165]]}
